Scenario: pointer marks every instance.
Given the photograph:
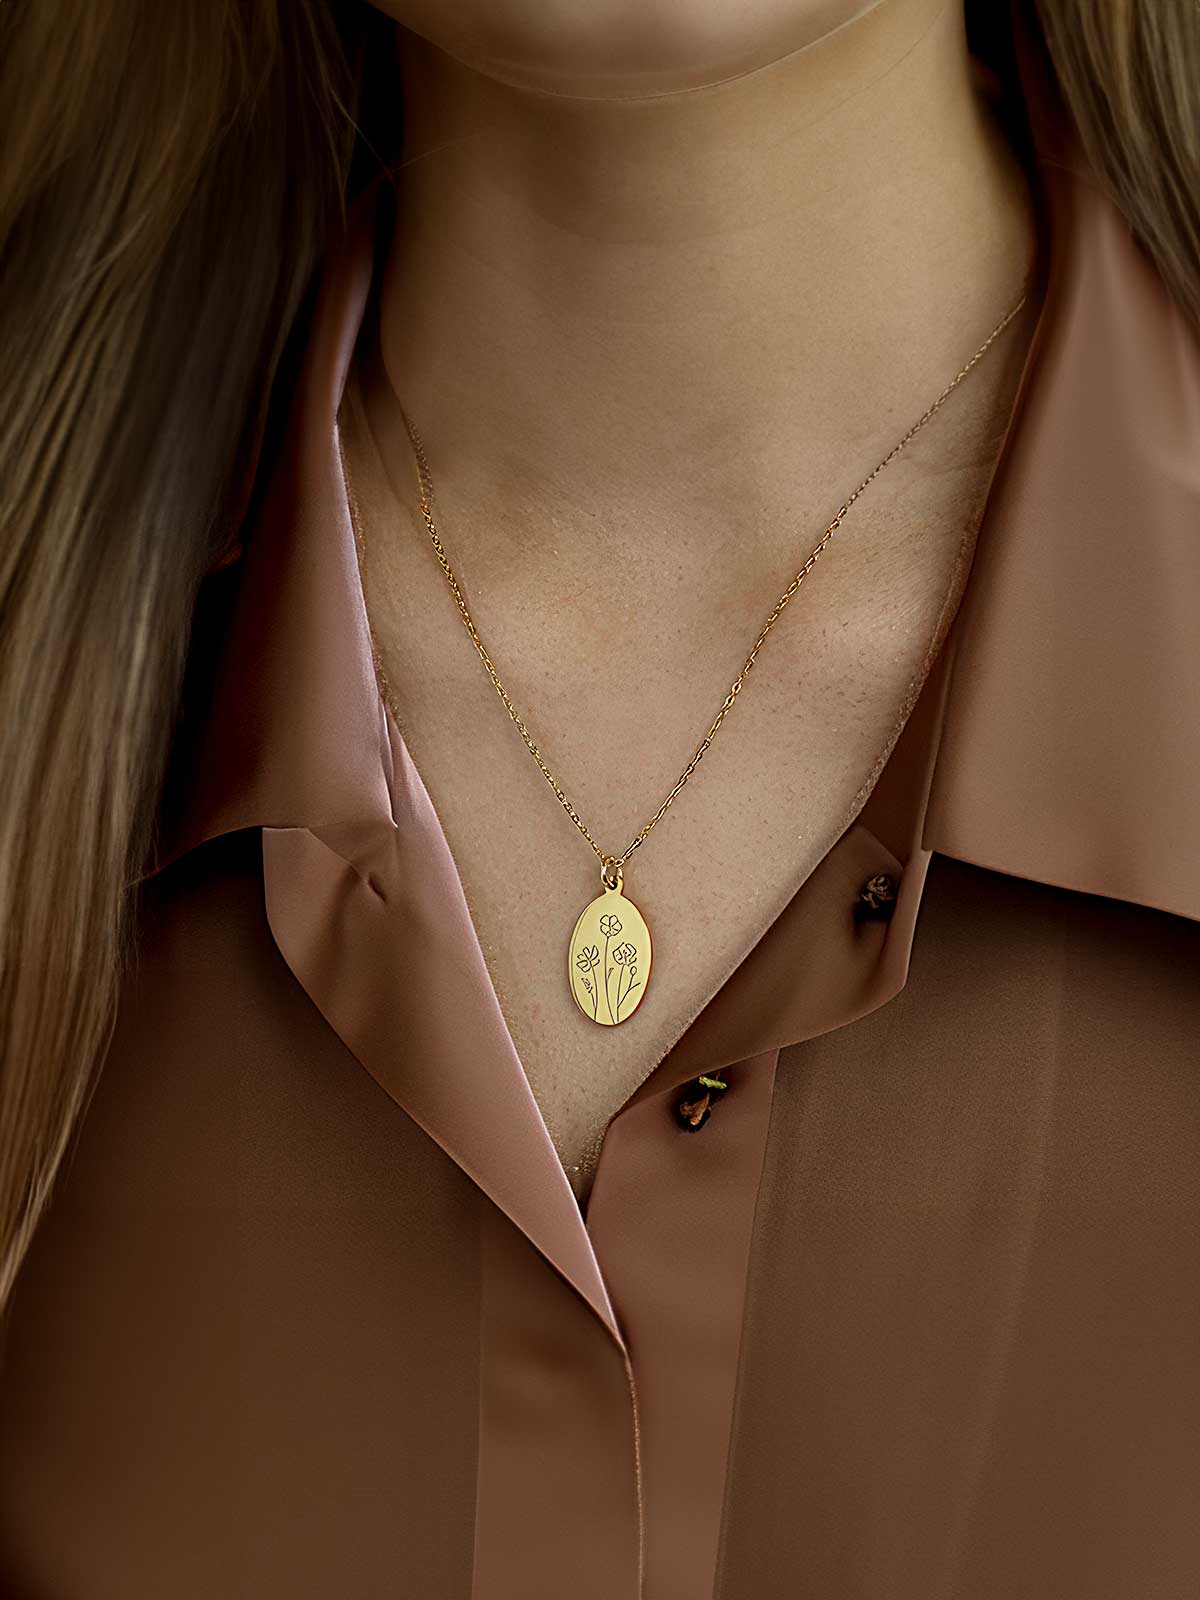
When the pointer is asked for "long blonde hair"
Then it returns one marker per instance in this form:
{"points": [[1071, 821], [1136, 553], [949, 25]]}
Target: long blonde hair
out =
{"points": [[167, 177]]}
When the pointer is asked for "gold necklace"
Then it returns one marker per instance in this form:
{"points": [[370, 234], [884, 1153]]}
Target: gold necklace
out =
{"points": [[611, 936]]}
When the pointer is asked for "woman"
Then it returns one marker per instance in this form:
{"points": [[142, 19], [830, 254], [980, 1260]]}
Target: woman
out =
{"points": [[841, 1241]]}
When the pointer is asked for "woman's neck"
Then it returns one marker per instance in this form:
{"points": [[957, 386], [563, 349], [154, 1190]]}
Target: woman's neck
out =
{"points": [[626, 302]]}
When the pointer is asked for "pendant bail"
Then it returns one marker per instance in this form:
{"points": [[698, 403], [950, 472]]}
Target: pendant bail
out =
{"points": [[611, 872]]}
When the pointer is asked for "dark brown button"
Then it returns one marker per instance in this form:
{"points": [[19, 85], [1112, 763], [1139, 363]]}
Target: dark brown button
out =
{"points": [[695, 1106], [876, 899]]}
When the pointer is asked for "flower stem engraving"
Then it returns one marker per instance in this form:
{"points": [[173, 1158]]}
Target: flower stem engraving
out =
{"points": [[625, 955], [587, 960], [610, 927]]}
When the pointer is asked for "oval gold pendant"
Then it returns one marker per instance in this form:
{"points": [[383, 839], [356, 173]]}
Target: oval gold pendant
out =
{"points": [[608, 959]]}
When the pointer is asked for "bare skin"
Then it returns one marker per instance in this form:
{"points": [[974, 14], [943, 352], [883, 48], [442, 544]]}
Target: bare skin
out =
{"points": [[655, 316]]}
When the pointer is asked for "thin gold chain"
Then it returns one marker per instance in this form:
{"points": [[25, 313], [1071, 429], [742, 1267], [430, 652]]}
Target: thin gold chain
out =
{"points": [[610, 865]]}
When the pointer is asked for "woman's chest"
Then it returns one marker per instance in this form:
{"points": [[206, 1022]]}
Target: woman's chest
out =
{"points": [[615, 713]]}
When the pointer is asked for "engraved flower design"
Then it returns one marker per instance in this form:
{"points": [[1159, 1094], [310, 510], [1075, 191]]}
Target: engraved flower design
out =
{"points": [[625, 956], [615, 965], [587, 959]]}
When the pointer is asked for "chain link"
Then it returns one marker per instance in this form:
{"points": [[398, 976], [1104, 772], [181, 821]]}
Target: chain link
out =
{"points": [[610, 865]]}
